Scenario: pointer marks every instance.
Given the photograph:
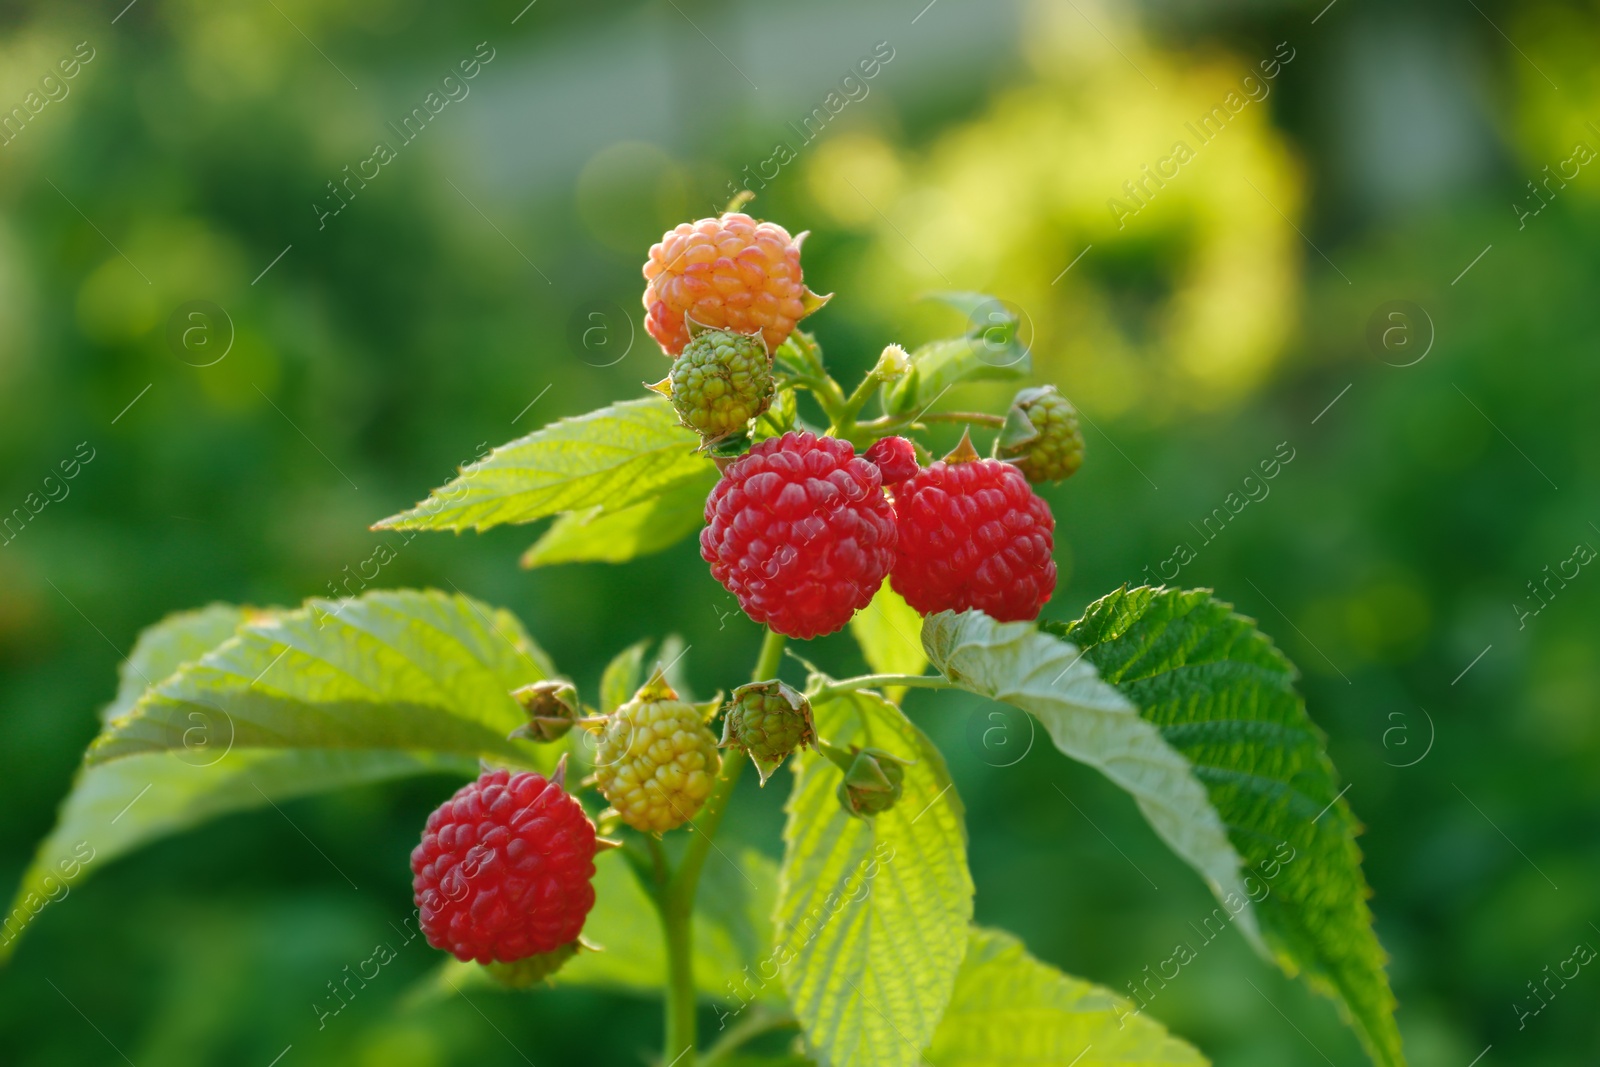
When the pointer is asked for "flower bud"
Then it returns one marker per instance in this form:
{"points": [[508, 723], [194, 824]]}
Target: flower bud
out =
{"points": [[892, 365], [871, 783], [552, 708], [768, 720]]}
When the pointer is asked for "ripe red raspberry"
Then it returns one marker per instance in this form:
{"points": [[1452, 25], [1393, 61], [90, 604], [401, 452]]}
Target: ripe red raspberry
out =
{"points": [[799, 530], [895, 458], [733, 273], [973, 534], [503, 869]]}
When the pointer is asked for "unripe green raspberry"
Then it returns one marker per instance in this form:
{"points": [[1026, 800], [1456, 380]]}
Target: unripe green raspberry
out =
{"points": [[552, 708], [769, 720], [656, 760], [720, 381], [871, 782], [1041, 435], [531, 970]]}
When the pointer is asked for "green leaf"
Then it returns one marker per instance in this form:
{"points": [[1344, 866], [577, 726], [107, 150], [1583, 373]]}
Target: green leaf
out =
{"points": [[989, 351], [119, 806], [621, 455], [799, 357], [671, 661], [1093, 723], [733, 929], [888, 631], [597, 535], [733, 938], [872, 913], [781, 417], [622, 677], [1009, 1008], [391, 670], [177, 639], [1223, 695]]}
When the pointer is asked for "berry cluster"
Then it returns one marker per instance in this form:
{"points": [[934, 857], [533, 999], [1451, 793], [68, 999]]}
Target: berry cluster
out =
{"points": [[803, 531]]}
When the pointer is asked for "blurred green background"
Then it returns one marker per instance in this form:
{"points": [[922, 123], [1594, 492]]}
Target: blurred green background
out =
{"points": [[1401, 152]]}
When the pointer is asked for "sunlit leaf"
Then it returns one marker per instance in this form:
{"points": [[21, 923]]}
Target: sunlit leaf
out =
{"points": [[120, 805], [1222, 694], [177, 639], [1093, 723], [622, 677], [613, 458], [392, 670], [889, 633], [1010, 1008], [597, 535], [872, 913]]}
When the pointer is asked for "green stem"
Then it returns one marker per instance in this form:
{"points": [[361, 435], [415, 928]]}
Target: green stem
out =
{"points": [[760, 1020], [879, 681], [829, 396], [844, 420], [677, 896], [978, 418]]}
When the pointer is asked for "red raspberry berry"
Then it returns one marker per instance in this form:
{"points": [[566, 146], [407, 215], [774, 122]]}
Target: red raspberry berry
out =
{"points": [[799, 530], [503, 869], [895, 458], [973, 534]]}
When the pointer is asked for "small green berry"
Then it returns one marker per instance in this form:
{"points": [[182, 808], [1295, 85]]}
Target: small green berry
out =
{"points": [[1041, 435], [768, 720], [720, 381]]}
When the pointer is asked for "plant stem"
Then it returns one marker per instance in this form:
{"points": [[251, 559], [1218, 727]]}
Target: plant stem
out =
{"points": [[978, 418], [844, 420], [829, 397], [760, 1020], [677, 919], [677, 896], [878, 681], [770, 657]]}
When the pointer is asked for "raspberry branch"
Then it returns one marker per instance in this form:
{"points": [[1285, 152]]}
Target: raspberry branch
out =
{"points": [[879, 681], [677, 897]]}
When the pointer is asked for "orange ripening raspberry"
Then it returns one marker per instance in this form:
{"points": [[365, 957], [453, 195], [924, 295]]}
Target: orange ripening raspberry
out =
{"points": [[731, 273]]}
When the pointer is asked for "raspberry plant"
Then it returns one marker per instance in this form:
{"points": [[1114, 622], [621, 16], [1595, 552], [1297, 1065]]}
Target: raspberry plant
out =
{"points": [[861, 940]]}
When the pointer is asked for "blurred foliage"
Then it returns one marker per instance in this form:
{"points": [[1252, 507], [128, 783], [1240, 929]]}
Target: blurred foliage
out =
{"points": [[453, 292]]}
